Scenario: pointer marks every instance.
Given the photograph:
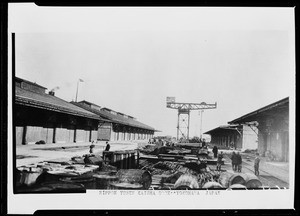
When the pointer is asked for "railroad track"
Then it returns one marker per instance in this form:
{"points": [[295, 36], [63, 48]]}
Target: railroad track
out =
{"points": [[266, 178]]}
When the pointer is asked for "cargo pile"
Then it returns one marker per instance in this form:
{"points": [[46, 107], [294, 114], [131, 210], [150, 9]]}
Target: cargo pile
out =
{"points": [[174, 167], [89, 171], [163, 167]]}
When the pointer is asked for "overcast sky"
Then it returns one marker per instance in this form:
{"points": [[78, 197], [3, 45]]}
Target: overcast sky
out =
{"points": [[131, 59]]}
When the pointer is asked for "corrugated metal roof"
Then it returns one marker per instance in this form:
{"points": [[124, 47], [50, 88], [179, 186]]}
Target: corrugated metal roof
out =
{"points": [[49, 102], [23, 80], [222, 128], [90, 103], [284, 103], [128, 121], [116, 118]]}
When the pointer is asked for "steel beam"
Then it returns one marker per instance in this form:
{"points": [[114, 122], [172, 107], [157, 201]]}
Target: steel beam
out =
{"points": [[184, 109]]}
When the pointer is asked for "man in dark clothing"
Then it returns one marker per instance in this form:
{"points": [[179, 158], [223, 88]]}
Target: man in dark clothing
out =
{"points": [[215, 151], [219, 161], [107, 147], [256, 164], [92, 148], [108, 156], [239, 162], [234, 161]]}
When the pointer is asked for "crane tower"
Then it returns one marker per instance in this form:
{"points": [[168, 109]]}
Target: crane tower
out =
{"points": [[184, 109]]}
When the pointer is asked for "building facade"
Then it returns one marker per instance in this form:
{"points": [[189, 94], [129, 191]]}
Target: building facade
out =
{"points": [[272, 122], [117, 126], [240, 137], [40, 116]]}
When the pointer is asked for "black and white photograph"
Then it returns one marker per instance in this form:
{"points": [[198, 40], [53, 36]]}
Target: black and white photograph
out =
{"points": [[150, 108]]}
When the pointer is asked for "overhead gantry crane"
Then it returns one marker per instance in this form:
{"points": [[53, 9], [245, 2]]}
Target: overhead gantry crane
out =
{"points": [[184, 109]]}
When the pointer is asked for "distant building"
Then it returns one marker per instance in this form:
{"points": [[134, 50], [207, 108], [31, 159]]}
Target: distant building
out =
{"points": [[41, 116], [273, 129], [237, 136], [116, 125]]}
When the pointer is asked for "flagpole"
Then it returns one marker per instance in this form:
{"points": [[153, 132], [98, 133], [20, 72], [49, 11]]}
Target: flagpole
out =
{"points": [[77, 91]]}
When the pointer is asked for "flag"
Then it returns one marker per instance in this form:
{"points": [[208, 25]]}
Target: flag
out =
{"points": [[81, 80]]}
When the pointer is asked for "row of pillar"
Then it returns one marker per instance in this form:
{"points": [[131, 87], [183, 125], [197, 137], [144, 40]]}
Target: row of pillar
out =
{"points": [[33, 134], [131, 136], [224, 140], [122, 159]]}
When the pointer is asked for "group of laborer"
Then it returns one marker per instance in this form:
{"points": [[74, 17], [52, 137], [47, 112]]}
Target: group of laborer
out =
{"points": [[236, 161], [91, 151]]}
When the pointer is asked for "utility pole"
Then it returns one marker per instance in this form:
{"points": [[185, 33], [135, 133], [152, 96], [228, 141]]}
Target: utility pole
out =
{"points": [[201, 114], [79, 80]]}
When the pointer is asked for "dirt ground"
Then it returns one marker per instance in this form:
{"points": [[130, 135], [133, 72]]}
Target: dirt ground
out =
{"points": [[30, 154], [274, 174]]}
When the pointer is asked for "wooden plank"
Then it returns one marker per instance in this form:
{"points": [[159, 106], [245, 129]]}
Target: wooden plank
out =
{"points": [[172, 156]]}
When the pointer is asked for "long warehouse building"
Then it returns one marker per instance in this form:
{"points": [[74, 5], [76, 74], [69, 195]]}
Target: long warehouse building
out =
{"points": [[40, 116], [117, 126]]}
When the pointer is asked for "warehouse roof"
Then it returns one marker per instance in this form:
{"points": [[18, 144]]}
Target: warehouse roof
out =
{"points": [[120, 119], [87, 102], [127, 121], [273, 109], [49, 102], [29, 82], [223, 128]]}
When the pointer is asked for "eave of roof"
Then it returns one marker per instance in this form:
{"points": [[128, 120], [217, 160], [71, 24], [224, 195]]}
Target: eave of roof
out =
{"points": [[49, 102], [129, 121], [32, 83], [96, 112], [89, 103], [116, 118], [221, 128], [259, 111]]}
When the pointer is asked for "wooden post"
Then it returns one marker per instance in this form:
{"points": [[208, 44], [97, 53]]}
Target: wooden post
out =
{"points": [[75, 129], [114, 158], [121, 159], [54, 134], [128, 160], [125, 160], [90, 134], [138, 159], [24, 141], [117, 160]]}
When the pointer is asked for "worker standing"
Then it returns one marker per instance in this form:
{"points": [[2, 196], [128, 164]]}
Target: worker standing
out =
{"points": [[219, 161], [92, 148], [108, 155], [107, 147], [215, 151], [239, 162], [203, 143], [234, 161], [256, 164]]}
